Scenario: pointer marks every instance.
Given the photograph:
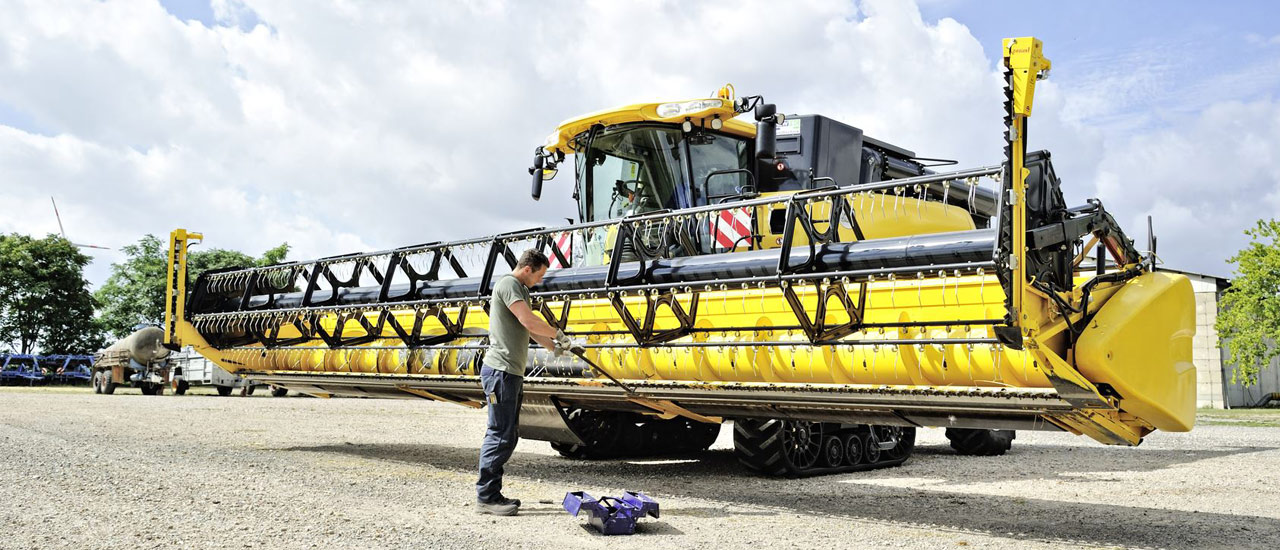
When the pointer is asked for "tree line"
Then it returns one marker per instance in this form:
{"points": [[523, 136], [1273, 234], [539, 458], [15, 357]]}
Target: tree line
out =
{"points": [[46, 305]]}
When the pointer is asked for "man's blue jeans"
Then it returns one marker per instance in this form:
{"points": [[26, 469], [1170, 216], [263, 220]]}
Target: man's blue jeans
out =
{"points": [[504, 393]]}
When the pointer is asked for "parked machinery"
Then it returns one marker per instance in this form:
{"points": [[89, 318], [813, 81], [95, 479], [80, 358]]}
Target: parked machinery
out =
{"points": [[22, 370], [828, 292], [69, 369], [137, 360], [188, 368]]}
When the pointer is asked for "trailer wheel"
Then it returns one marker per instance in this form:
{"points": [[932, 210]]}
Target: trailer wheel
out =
{"points": [[277, 391], [979, 442], [147, 389], [96, 380], [180, 387], [108, 387], [224, 390], [248, 390], [157, 389]]}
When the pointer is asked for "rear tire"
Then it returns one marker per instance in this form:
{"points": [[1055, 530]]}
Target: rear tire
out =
{"points": [[224, 391], [108, 387], [277, 391], [181, 387], [147, 389], [979, 442]]}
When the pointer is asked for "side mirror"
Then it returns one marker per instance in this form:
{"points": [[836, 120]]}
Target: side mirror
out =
{"points": [[766, 131], [538, 172]]}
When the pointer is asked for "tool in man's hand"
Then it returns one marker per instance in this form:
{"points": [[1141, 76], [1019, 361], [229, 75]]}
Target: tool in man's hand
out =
{"points": [[667, 408]]}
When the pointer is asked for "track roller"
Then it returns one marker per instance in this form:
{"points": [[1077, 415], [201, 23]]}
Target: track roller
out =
{"points": [[797, 448]]}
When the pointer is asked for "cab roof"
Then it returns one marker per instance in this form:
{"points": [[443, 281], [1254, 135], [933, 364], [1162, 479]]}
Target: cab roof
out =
{"points": [[701, 113]]}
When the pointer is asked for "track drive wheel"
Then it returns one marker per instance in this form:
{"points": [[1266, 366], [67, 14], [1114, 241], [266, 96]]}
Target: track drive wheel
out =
{"points": [[778, 447], [598, 430], [979, 442]]}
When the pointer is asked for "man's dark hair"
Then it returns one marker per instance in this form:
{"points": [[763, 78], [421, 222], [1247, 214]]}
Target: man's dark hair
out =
{"points": [[533, 260]]}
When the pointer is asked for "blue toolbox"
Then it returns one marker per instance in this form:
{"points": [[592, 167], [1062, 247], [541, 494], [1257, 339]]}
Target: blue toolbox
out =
{"points": [[609, 515]]}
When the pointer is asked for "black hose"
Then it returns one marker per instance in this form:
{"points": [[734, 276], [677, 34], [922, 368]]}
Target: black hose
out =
{"points": [[1266, 399]]}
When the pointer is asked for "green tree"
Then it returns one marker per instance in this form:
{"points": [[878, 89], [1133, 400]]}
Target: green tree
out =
{"points": [[1249, 314], [45, 303], [134, 292]]}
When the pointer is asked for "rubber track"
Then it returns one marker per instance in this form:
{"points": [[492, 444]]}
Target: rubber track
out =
{"points": [[758, 446]]}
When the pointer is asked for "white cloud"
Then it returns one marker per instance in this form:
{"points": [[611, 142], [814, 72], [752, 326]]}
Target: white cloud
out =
{"points": [[343, 127], [1204, 181]]}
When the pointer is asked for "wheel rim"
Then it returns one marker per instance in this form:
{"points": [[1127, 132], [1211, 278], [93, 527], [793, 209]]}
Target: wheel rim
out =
{"points": [[834, 451], [853, 450], [872, 445], [802, 442], [894, 434]]}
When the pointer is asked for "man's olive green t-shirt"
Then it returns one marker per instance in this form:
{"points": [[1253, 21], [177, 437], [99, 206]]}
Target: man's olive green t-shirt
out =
{"points": [[508, 339]]}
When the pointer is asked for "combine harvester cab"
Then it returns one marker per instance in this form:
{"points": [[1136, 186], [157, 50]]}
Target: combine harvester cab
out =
{"points": [[827, 291]]}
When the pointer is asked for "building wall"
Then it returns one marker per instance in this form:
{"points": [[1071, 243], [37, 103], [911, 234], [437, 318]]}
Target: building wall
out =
{"points": [[1268, 382], [1204, 348]]}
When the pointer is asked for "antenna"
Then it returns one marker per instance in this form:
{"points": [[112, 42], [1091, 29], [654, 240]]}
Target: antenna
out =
{"points": [[64, 231], [1151, 244]]}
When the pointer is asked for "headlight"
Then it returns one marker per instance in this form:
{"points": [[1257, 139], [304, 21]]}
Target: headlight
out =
{"points": [[668, 110]]}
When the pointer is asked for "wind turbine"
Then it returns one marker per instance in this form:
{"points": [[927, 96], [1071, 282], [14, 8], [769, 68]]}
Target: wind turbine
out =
{"points": [[64, 231]]}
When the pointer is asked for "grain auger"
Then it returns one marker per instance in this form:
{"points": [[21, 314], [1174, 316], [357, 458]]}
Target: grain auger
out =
{"points": [[827, 291]]}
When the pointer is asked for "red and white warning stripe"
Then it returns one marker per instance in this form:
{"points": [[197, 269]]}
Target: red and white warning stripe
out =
{"points": [[730, 227], [564, 243]]}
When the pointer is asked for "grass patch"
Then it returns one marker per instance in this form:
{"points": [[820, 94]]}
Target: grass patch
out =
{"points": [[1257, 418]]}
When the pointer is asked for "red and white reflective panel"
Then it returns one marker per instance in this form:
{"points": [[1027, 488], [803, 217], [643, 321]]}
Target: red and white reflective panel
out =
{"points": [[730, 227], [564, 243]]}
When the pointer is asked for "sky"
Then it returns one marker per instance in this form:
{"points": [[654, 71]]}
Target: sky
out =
{"points": [[341, 126]]}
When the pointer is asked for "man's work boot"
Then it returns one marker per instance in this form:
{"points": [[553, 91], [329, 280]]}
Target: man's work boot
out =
{"points": [[500, 506]]}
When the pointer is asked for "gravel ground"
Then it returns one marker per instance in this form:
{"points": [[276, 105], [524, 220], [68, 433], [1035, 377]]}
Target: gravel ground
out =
{"points": [[199, 471]]}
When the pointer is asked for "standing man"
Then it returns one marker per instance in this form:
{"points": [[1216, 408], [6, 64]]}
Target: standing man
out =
{"points": [[511, 324]]}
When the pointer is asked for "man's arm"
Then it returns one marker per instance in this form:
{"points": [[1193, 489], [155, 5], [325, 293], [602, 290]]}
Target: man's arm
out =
{"points": [[541, 332]]}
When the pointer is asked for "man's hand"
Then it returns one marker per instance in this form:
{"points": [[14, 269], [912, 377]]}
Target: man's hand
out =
{"points": [[565, 344]]}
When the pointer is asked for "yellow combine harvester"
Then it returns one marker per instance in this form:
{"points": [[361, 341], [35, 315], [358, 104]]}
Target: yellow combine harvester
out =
{"points": [[827, 291]]}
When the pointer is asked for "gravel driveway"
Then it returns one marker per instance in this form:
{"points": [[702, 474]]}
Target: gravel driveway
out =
{"points": [[199, 471]]}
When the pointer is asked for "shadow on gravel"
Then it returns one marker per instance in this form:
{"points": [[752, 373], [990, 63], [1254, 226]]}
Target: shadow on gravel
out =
{"points": [[1066, 462], [716, 475]]}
